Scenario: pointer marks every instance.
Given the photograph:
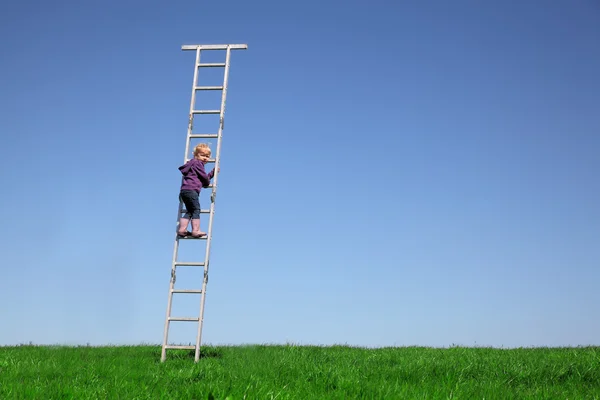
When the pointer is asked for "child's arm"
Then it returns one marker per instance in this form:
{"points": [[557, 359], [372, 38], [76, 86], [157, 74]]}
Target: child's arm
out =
{"points": [[202, 175], [211, 175]]}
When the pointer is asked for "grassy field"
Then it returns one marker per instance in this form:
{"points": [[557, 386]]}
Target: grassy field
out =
{"points": [[299, 372]]}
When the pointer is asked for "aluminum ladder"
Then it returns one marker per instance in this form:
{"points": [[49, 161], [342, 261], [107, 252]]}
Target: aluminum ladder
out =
{"points": [[190, 135]]}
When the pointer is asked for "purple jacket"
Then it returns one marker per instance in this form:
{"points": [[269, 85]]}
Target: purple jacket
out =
{"points": [[194, 175]]}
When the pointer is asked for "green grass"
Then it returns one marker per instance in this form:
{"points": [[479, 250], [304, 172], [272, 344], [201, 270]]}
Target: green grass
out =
{"points": [[299, 372]]}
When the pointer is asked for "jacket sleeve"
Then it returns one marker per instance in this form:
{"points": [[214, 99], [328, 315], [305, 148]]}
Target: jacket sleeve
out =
{"points": [[202, 175]]}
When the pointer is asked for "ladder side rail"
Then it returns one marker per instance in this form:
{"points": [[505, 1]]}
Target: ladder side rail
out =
{"points": [[192, 104], [212, 203], [221, 126], [176, 245]]}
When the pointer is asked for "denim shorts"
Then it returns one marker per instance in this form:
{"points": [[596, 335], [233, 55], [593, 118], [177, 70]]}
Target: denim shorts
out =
{"points": [[192, 203]]}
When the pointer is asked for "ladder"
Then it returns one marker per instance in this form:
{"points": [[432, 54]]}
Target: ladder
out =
{"points": [[213, 186]]}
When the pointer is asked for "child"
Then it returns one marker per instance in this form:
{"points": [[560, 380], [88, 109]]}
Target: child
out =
{"points": [[194, 178]]}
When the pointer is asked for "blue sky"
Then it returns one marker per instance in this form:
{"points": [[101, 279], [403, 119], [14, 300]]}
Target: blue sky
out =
{"points": [[392, 173]]}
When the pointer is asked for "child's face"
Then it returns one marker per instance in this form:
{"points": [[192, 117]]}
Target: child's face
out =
{"points": [[203, 155]]}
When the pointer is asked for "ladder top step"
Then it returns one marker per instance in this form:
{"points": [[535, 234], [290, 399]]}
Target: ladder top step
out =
{"points": [[208, 87], [211, 65], [204, 136], [214, 46]]}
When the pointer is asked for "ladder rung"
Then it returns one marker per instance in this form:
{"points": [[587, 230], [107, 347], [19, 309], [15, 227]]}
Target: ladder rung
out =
{"points": [[211, 65], [206, 211], [204, 136], [191, 237], [176, 347], [182, 319], [206, 112], [194, 291], [210, 160], [189, 264], [208, 88]]}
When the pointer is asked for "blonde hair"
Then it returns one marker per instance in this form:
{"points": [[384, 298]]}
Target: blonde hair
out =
{"points": [[202, 148]]}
